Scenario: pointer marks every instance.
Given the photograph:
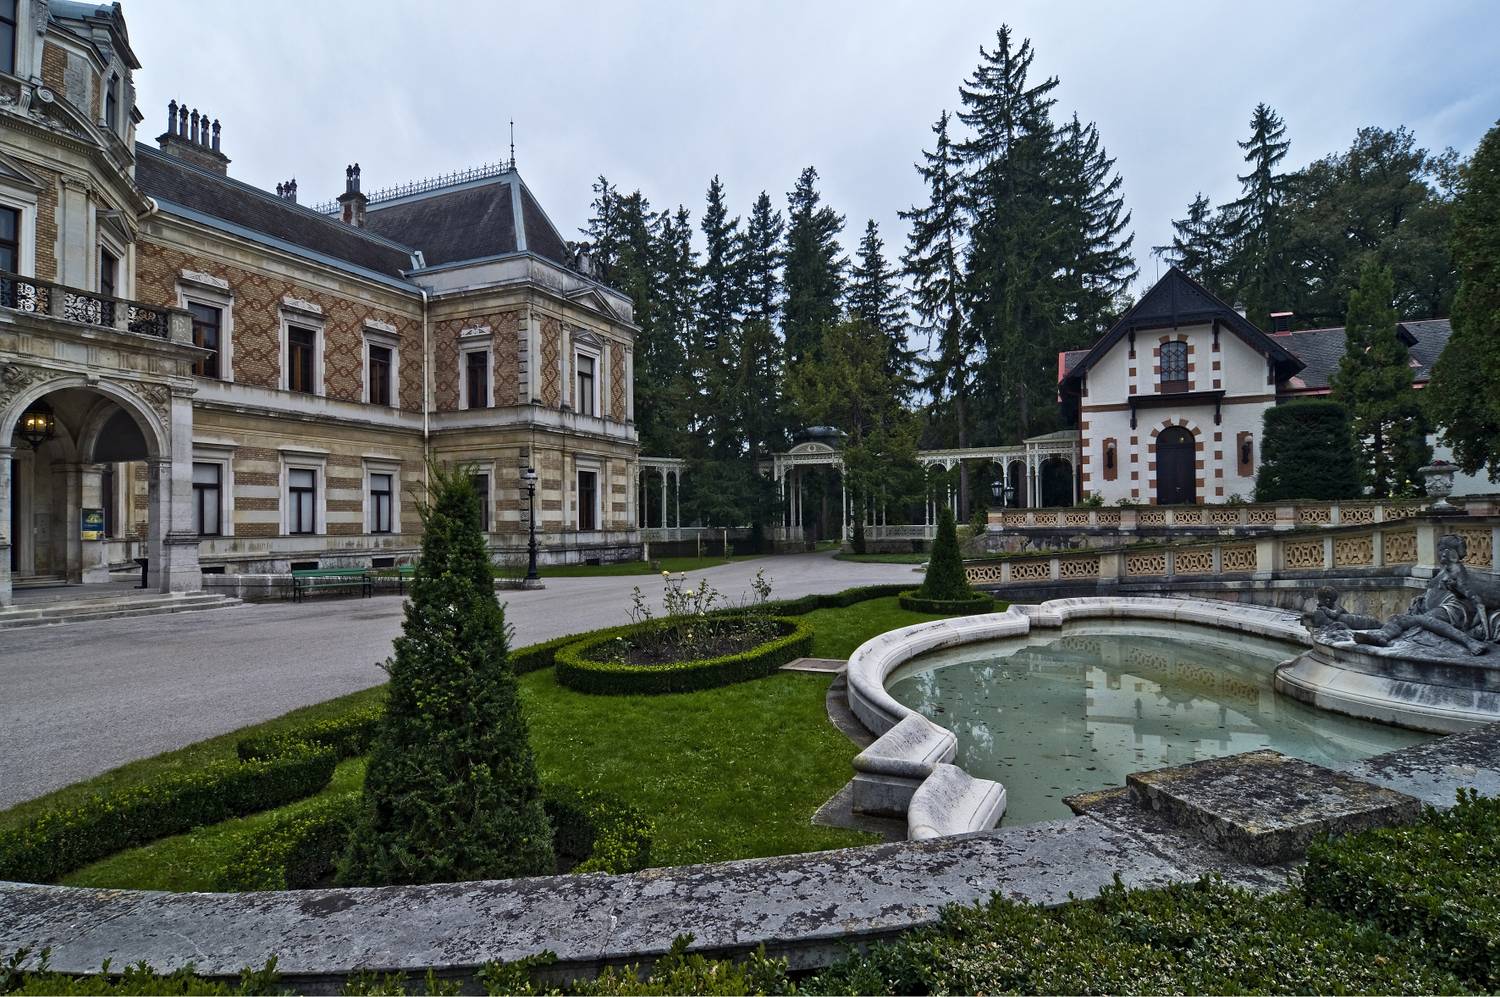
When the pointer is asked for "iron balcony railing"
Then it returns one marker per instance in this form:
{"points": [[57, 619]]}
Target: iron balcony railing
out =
{"points": [[28, 294]]}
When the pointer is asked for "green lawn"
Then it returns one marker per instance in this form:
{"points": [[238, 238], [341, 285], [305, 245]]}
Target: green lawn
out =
{"points": [[892, 558], [672, 564], [725, 773]]}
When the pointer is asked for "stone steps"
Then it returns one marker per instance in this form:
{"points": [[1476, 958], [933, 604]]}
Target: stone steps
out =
{"points": [[86, 610]]}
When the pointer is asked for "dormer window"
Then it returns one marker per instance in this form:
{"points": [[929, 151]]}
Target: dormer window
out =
{"points": [[112, 104], [8, 36], [1174, 366]]}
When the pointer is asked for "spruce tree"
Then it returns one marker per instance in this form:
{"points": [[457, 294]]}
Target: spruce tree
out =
{"points": [[713, 357], [945, 579], [934, 263], [1199, 246], [875, 297], [1374, 384], [1257, 226], [760, 260], [1463, 398], [1097, 264], [814, 269], [451, 792]]}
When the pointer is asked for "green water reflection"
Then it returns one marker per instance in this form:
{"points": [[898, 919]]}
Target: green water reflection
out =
{"points": [[1061, 713]]}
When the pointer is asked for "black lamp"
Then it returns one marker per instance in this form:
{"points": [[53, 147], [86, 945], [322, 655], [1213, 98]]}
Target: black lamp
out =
{"points": [[529, 476], [38, 425]]}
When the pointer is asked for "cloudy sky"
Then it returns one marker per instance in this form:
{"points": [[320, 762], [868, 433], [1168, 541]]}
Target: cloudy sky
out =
{"points": [[665, 95]]}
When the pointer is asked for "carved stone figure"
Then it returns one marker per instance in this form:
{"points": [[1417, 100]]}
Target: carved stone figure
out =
{"points": [[1331, 618], [1452, 605]]}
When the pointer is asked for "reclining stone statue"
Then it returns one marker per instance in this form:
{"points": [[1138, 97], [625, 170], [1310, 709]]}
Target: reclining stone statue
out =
{"points": [[1455, 605]]}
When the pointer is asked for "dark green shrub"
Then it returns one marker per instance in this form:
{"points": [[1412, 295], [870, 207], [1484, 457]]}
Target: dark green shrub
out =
{"points": [[59, 841], [451, 792], [576, 671], [139, 978], [1306, 452], [978, 603], [346, 736], [1192, 938], [945, 569], [1436, 882], [597, 832], [295, 850]]}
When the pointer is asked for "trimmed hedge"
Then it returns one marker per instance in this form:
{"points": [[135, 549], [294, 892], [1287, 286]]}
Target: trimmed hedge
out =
{"points": [[59, 841], [914, 602], [576, 671], [347, 736], [1436, 882], [592, 831]]}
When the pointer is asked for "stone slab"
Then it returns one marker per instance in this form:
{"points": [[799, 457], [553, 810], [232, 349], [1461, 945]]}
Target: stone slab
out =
{"points": [[1434, 772], [821, 665], [839, 812], [950, 801], [1263, 807]]}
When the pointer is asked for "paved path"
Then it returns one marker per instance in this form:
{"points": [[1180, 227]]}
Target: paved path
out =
{"points": [[80, 699]]}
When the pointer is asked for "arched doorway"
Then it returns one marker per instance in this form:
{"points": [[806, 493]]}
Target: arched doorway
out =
{"points": [[98, 481], [1016, 475], [1176, 468], [1056, 481]]}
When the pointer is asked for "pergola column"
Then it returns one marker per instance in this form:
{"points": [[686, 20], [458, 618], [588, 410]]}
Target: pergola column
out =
{"points": [[843, 506], [677, 496], [663, 497], [6, 540]]}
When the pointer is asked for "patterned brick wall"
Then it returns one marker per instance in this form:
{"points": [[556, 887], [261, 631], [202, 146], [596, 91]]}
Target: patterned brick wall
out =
{"points": [[46, 224], [257, 324], [505, 347], [54, 66], [552, 389], [617, 389]]}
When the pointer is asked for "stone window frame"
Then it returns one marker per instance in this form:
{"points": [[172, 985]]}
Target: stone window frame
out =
{"points": [[594, 466], [294, 459], [119, 249], [586, 345], [382, 335], [304, 315], [485, 469], [475, 340], [223, 455], [23, 199], [212, 292], [382, 465]]}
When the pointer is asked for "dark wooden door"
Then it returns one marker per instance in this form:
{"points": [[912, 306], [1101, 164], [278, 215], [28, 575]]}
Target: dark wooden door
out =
{"points": [[1176, 476]]}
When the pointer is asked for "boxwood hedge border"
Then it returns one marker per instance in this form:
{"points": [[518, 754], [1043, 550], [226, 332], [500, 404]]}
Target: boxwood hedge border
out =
{"points": [[578, 672], [911, 600]]}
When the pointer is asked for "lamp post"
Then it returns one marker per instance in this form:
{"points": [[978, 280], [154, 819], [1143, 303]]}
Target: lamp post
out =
{"points": [[529, 476], [38, 425]]}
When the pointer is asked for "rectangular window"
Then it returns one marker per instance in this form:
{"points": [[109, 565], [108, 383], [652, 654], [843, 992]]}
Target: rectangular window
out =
{"points": [[109, 269], [112, 104], [301, 349], [380, 503], [477, 378], [585, 400], [380, 375], [207, 493], [481, 484], [207, 324], [8, 39], [10, 237], [588, 500], [1174, 366], [302, 497]]}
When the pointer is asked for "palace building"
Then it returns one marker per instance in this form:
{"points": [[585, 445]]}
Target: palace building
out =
{"points": [[219, 379]]}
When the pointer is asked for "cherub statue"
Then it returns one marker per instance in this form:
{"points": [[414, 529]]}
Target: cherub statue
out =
{"points": [[1327, 614], [1449, 607]]}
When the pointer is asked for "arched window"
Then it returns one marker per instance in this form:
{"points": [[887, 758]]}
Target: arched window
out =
{"points": [[1174, 366]]}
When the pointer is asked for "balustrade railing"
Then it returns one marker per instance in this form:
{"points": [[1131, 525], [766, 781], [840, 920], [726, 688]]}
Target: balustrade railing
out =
{"points": [[1255, 517], [28, 294]]}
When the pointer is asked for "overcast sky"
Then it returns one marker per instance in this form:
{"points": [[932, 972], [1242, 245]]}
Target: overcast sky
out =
{"points": [[663, 96]]}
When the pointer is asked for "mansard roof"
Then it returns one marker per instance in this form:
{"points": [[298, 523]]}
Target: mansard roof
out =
{"points": [[1178, 300], [184, 189], [491, 217], [1321, 349]]}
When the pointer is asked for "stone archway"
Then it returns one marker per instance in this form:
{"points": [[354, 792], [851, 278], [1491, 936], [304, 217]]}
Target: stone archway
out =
{"points": [[48, 511]]}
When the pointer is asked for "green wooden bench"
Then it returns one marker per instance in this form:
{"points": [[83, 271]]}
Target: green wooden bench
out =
{"points": [[346, 579]]}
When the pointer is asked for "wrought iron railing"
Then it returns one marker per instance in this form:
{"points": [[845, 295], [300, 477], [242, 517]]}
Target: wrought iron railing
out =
{"points": [[422, 186], [27, 294]]}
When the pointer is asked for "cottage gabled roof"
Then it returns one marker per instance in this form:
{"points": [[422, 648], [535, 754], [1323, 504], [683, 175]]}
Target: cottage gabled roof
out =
{"points": [[1177, 300], [201, 195], [490, 217], [1321, 349]]}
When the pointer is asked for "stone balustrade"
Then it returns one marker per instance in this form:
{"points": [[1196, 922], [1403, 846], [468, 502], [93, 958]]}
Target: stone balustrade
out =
{"points": [[1397, 543], [1255, 517]]}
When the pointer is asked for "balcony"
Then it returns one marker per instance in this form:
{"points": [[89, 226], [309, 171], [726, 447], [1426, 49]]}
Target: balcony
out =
{"points": [[41, 297]]}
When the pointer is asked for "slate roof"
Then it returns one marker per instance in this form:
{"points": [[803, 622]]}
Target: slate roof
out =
{"points": [[490, 217], [1321, 349], [1178, 300], [174, 183]]}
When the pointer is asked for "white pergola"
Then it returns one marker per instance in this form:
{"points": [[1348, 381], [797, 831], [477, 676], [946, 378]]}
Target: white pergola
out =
{"points": [[1028, 456], [670, 469]]}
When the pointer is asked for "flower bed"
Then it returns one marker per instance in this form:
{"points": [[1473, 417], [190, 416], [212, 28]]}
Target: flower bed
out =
{"points": [[579, 665]]}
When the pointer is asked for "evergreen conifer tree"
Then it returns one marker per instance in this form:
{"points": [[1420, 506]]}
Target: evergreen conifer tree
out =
{"points": [[451, 792], [713, 358], [760, 259], [875, 297], [814, 269], [1463, 398], [1257, 226], [1306, 452], [1374, 384], [1199, 246], [945, 579], [1096, 263]]}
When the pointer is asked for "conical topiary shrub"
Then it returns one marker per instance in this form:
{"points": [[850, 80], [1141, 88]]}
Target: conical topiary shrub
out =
{"points": [[945, 568], [451, 792]]}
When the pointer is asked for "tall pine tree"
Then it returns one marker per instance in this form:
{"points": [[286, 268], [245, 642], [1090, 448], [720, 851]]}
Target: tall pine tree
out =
{"points": [[1373, 383], [1097, 264], [814, 274], [1199, 247], [876, 298], [713, 355], [1257, 223], [760, 260]]}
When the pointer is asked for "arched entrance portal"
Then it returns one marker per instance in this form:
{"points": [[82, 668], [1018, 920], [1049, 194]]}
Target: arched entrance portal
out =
{"points": [[96, 487], [1056, 486], [1176, 474]]}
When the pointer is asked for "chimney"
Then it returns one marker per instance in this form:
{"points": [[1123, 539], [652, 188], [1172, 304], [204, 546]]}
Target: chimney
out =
{"points": [[288, 190], [351, 201], [1282, 321], [194, 138]]}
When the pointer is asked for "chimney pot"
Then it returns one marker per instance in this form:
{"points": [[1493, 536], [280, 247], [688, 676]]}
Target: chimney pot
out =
{"points": [[216, 135], [194, 137], [172, 117]]}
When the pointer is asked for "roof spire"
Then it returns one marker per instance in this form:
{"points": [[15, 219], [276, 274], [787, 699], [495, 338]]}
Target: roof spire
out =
{"points": [[512, 145]]}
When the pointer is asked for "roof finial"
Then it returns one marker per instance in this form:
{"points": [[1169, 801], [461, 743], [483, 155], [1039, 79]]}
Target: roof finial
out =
{"points": [[513, 145]]}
